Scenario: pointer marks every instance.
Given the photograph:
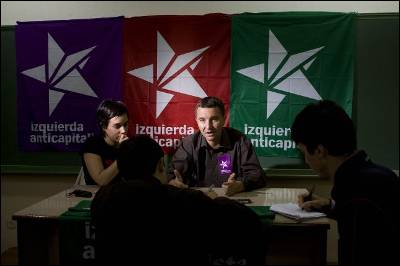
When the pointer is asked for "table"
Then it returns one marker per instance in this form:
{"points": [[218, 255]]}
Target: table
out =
{"points": [[38, 227], [290, 242]]}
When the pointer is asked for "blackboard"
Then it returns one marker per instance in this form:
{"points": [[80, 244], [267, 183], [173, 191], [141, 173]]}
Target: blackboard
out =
{"points": [[375, 107], [377, 88]]}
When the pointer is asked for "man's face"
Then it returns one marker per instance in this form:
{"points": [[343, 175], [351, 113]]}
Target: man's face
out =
{"points": [[316, 161], [210, 122]]}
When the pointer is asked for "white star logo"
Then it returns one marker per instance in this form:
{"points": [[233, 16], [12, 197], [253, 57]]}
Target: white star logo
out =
{"points": [[63, 73], [173, 73], [288, 77], [224, 164]]}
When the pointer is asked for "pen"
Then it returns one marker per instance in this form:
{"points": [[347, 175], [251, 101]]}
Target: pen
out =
{"points": [[310, 192]]}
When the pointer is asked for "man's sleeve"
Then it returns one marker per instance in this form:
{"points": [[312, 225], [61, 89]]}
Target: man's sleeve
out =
{"points": [[253, 174], [182, 161]]}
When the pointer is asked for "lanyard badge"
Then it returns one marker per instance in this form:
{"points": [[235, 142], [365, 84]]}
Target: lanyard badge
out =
{"points": [[224, 164]]}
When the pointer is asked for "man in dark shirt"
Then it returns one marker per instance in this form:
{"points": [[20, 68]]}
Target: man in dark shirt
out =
{"points": [[216, 155], [365, 196], [137, 218]]}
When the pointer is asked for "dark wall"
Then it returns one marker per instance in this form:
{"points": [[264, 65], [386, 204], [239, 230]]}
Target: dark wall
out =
{"points": [[377, 88]]}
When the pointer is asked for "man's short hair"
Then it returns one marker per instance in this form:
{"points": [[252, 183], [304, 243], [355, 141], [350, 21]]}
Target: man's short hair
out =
{"points": [[138, 157], [211, 102], [325, 123]]}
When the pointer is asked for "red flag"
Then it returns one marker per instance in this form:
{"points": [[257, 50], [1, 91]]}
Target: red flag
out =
{"points": [[170, 63]]}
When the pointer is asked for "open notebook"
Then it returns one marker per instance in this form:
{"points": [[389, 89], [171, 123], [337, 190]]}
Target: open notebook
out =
{"points": [[292, 210]]}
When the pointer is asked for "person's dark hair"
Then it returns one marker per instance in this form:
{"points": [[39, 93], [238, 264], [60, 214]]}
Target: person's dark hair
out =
{"points": [[211, 102], [107, 110], [325, 123], [138, 157]]}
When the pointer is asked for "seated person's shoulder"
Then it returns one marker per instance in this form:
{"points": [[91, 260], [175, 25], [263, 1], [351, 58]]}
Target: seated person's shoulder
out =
{"points": [[380, 174], [126, 193], [94, 140], [186, 194], [137, 187], [101, 204], [235, 135], [191, 139], [92, 144], [190, 142]]}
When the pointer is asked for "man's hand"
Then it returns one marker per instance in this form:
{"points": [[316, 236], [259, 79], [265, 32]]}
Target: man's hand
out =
{"points": [[232, 186], [211, 194], [177, 181], [316, 202]]}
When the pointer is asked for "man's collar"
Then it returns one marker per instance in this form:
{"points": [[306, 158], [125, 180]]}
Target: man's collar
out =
{"points": [[225, 140], [224, 143]]}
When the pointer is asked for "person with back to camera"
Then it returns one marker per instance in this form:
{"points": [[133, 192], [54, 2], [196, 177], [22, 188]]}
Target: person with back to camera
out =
{"points": [[99, 152], [140, 220], [364, 197], [216, 155]]}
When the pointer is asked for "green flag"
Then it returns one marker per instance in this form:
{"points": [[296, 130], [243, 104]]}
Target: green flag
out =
{"points": [[282, 62]]}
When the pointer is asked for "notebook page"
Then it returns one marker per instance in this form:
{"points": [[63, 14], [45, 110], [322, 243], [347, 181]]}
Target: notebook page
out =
{"points": [[294, 211]]}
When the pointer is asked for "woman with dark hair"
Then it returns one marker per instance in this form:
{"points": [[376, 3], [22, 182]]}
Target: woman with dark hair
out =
{"points": [[99, 152]]}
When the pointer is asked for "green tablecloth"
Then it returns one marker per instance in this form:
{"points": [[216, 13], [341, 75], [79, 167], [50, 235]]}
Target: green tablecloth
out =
{"points": [[77, 235], [266, 215], [81, 211]]}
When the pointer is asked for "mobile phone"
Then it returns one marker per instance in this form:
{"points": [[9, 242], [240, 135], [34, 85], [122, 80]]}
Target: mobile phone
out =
{"points": [[82, 193]]}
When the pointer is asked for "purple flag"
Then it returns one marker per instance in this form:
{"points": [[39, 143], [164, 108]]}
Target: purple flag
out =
{"points": [[64, 70]]}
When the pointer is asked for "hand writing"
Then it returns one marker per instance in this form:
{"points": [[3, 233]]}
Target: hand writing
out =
{"points": [[314, 203]]}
